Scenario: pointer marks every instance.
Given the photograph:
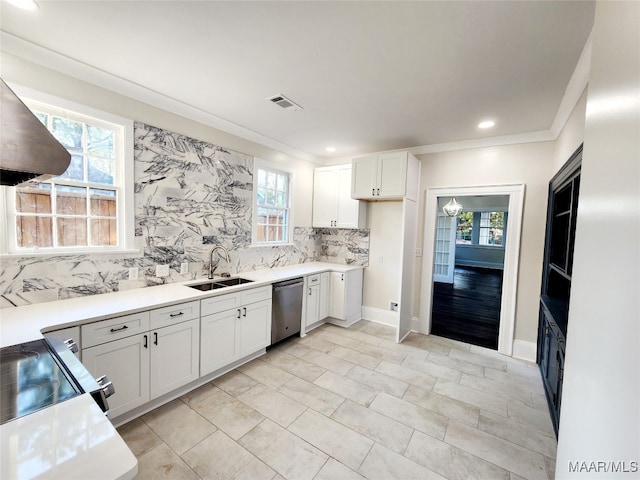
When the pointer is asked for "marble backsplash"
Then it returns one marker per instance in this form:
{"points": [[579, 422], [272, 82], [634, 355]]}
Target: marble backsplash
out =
{"points": [[189, 195]]}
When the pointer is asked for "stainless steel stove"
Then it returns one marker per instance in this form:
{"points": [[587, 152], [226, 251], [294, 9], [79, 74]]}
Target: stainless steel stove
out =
{"points": [[41, 373]]}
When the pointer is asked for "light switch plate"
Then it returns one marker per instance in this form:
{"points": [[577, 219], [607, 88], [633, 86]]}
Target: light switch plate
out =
{"points": [[184, 268], [133, 273], [162, 270]]}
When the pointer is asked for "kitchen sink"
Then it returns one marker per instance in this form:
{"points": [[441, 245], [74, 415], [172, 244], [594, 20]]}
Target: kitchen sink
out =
{"points": [[214, 285]]}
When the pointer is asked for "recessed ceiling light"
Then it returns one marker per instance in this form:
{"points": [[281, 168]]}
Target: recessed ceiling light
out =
{"points": [[331, 149], [486, 124], [24, 4]]}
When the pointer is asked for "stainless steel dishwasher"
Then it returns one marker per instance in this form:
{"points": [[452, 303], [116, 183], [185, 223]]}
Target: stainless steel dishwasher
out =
{"points": [[286, 312]]}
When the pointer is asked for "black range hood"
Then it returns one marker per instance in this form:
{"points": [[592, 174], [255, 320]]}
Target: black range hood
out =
{"points": [[28, 151]]}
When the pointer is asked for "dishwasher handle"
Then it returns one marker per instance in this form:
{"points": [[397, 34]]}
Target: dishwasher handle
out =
{"points": [[294, 283]]}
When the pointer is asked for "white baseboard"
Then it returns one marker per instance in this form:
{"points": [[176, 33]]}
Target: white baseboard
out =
{"points": [[378, 315], [524, 350]]}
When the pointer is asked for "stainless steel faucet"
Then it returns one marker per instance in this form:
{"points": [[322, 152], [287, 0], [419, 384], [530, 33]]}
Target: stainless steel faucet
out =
{"points": [[227, 258]]}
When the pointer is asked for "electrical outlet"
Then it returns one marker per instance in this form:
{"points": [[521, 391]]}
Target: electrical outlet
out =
{"points": [[162, 270], [184, 268], [418, 252], [133, 273], [393, 306]]}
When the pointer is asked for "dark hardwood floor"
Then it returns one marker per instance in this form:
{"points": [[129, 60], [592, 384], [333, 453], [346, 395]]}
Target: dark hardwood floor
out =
{"points": [[468, 310]]}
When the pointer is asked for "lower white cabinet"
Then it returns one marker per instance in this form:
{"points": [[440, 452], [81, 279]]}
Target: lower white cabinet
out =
{"points": [[325, 279], [345, 297], [143, 365], [229, 334]]}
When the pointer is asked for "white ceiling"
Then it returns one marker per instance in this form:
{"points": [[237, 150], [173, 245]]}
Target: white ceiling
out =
{"points": [[370, 76]]}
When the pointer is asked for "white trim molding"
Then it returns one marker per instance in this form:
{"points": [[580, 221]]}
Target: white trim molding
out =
{"points": [[525, 350], [511, 256], [378, 315]]}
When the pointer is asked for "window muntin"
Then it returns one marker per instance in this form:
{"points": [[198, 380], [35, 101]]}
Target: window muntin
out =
{"points": [[78, 209], [272, 208], [481, 228]]}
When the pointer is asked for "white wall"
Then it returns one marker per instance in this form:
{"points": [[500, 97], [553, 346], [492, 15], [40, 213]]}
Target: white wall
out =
{"points": [[600, 416], [572, 134], [530, 164], [18, 71]]}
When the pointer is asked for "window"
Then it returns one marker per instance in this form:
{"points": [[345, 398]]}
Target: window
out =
{"points": [[271, 215], [481, 228], [82, 209]]}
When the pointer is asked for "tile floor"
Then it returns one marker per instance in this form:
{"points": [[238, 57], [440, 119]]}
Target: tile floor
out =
{"points": [[351, 403]]}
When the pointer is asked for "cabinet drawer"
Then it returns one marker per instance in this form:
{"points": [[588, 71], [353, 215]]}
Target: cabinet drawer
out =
{"points": [[313, 280], [173, 314], [114, 329], [220, 304], [256, 294]]}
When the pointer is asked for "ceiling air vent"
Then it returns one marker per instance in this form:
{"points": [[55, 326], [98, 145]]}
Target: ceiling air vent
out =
{"points": [[284, 102]]}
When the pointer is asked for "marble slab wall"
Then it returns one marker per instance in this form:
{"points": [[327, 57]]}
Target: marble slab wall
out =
{"points": [[189, 196]]}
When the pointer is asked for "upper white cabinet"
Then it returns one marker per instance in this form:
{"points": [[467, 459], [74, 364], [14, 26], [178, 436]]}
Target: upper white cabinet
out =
{"points": [[385, 176], [332, 202]]}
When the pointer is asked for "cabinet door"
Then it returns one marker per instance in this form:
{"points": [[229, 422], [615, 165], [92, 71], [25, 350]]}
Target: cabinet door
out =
{"points": [[392, 174], [174, 357], [323, 309], [126, 363], [255, 327], [313, 305], [219, 340], [348, 211], [364, 177], [324, 197], [336, 309]]}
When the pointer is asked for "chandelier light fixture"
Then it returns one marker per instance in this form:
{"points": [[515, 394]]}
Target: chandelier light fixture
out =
{"points": [[453, 208]]}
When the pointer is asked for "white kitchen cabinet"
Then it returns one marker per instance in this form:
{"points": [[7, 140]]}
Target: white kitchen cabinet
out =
{"points": [[126, 363], [312, 303], [174, 357], [385, 176], [234, 326], [323, 308], [345, 297], [332, 202]]}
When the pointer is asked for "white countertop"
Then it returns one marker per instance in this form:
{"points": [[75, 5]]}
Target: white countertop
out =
{"points": [[73, 439]]}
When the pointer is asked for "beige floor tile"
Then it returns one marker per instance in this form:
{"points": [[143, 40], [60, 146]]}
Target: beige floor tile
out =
{"points": [[451, 462], [328, 362], [453, 344], [385, 332], [353, 356], [453, 409], [540, 402], [539, 419], [316, 342], [347, 388], [514, 391], [139, 437], [265, 373], [338, 338], [331, 437], [311, 395], [550, 465], [426, 343], [234, 383], [381, 352], [294, 365], [456, 364], [378, 381], [294, 347], [513, 476], [418, 353], [334, 470], [531, 383], [283, 451], [525, 370], [517, 433], [483, 400], [495, 450], [218, 456], [361, 336], [162, 463], [410, 414], [433, 369], [407, 375], [273, 404], [385, 464], [479, 359], [199, 394], [228, 413], [178, 425], [375, 426]]}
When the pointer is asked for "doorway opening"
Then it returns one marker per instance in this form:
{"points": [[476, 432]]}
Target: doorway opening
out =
{"points": [[468, 270], [432, 263]]}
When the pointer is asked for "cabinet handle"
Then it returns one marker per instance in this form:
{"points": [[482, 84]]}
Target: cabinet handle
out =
{"points": [[378, 192], [155, 338], [309, 290], [239, 312], [373, 192], [179, 314], [244, 311], [342, 277], [146, 340], [114, 330]]}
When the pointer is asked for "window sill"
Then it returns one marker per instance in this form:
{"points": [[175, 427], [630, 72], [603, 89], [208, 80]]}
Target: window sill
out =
{"points": [[62, 253], [260, 245]]}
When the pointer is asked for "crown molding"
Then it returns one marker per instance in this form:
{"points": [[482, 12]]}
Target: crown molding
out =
{"points": [[45, 57]]}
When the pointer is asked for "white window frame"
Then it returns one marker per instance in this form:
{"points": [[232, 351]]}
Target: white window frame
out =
{"points": [[124, 183], [262, 164]]}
